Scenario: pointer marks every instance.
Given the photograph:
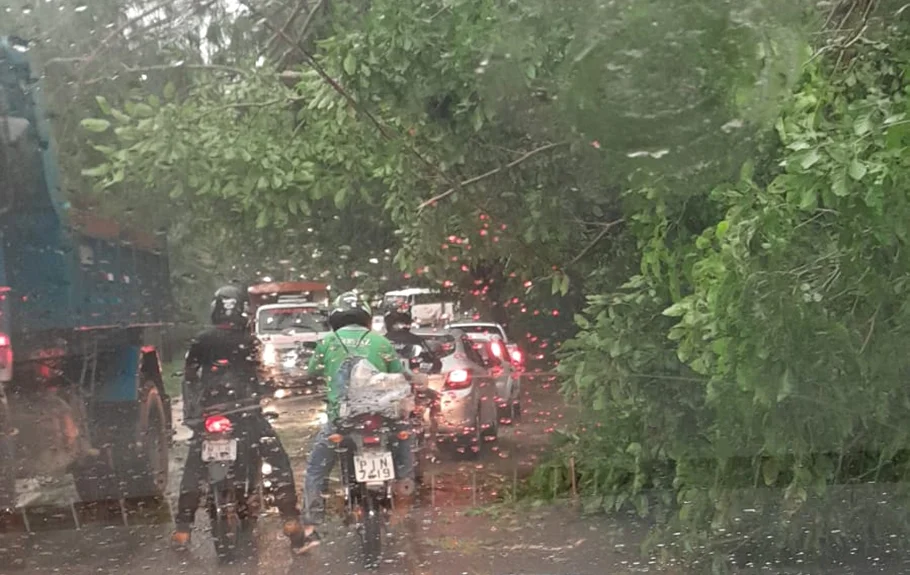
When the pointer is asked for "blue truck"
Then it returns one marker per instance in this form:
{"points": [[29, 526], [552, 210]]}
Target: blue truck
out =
{"points": [[81, 302]]}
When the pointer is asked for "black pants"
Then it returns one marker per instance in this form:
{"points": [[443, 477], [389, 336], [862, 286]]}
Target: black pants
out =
{"points": [[272, 452]]}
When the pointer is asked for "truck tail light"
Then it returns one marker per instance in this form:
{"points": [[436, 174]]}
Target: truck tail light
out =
{"points": [[6, 352]]}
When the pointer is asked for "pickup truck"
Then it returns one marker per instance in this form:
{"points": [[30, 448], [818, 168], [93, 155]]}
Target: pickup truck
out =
{"points": [[289, 318], [82, 301]]}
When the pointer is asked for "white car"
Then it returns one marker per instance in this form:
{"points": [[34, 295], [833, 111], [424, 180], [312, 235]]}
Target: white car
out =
{"points": [[468, 414], [507, 360]]}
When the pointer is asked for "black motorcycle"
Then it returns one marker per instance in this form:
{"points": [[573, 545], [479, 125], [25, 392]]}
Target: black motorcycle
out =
{"points": [[234, 478], [365, 444]]}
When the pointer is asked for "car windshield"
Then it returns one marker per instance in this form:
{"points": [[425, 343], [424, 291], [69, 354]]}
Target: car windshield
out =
{"points": [[289, 319], [689, 219]]}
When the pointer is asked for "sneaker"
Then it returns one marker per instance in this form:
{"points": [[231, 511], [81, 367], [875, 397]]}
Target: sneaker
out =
{"points": [[301, 543], [180, 540]]}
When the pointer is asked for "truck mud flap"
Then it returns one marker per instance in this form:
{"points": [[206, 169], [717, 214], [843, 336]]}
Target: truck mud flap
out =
{"points": [[123, 513]]}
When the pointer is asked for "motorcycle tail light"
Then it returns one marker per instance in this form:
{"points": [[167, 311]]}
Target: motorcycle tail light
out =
{"points": [[369, 423], [370, 440], [402, 435], [218, 424], [336, 438]]}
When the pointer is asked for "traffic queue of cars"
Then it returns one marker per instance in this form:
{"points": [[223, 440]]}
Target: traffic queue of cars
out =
{"points": [[478, 385]]}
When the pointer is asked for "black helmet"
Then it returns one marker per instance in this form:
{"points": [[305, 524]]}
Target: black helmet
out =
{"points": [[398, 319], [230, 306], [350, 309]]}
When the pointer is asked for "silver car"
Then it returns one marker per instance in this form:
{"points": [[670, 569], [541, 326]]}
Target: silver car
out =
{"points": [[467, 390], [490, 342]]}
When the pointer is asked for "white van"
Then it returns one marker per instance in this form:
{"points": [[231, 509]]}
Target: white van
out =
{"points": [[429, 307]]}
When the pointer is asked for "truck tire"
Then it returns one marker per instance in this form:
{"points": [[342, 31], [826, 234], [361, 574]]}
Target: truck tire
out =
{"points": [[7, 459], [145, 474], [135, 463]]}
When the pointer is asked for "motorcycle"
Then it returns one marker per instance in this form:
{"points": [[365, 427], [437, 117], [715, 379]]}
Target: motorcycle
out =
{"points": [[234, 471], [365, 442]]}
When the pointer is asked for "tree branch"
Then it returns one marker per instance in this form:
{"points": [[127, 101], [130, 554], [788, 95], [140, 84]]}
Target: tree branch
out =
{"points": [[301, 6], [160, 67], [606, 229], [486, 175], [383, 130]]}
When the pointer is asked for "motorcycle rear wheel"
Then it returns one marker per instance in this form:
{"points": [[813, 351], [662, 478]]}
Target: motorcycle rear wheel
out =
{"points": [[232, 529], [371, 531]]}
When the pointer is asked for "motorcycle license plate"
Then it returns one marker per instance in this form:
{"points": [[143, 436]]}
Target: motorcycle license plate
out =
{"points": [[378, 466], [219, 450]]}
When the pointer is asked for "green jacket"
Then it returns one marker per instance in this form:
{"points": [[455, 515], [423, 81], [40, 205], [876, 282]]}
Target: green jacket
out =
{"points": [[360, 342]]}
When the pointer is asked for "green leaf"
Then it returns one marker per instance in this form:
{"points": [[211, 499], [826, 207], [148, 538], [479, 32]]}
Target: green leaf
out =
{"points": [[97, 171], [262, 220], [262, 183], [808, 199], [721, 230], [169, 91], [153, 100], [564, 285], [96, 125], [857, 170], [144, 110], [770, 470], [120, 116], [477, 118], [177, 191], [103, 105], [839, 183], [678, 309], [350, 64], [862, 125], [340, 196], [810, 159]]}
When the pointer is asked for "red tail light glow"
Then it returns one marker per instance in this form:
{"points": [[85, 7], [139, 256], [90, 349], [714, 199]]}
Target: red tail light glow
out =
{"points": [[369, 423], [496, 349], [517, 356], [6, 352], [458, 379], [218, 424], [370, 440]]}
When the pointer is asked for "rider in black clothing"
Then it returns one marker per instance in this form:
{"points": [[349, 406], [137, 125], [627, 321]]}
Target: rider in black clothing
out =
{"points": [[398, 331], [224, 359]]}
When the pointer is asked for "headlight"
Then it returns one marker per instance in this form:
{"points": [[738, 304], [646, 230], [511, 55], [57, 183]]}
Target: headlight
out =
{"points": [[268, 354]]}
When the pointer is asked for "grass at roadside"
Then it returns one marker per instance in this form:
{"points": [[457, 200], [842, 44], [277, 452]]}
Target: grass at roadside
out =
{"points": [[172, 373]]}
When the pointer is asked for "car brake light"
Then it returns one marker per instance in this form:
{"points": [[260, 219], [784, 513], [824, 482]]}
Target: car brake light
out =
{"points": [[517, 356], [218, 424], [496, 349], [458, 379]]}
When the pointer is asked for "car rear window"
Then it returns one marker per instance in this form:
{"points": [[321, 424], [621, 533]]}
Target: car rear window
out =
{"points": [[474, 331], [446, 343]]}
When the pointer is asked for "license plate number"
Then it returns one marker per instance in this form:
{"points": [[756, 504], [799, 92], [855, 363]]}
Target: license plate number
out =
{"points": [[370, 467], [219, 450]]}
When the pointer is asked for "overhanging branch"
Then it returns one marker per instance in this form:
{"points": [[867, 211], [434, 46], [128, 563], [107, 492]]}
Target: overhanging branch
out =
{"points": [[489, 174]]}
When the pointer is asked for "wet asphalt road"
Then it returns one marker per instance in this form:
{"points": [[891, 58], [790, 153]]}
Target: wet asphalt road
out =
{"points": [[440, 534], [451, 531]]}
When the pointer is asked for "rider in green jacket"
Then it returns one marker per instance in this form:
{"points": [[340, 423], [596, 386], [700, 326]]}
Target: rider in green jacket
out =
{"points": [[351, 337]]}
